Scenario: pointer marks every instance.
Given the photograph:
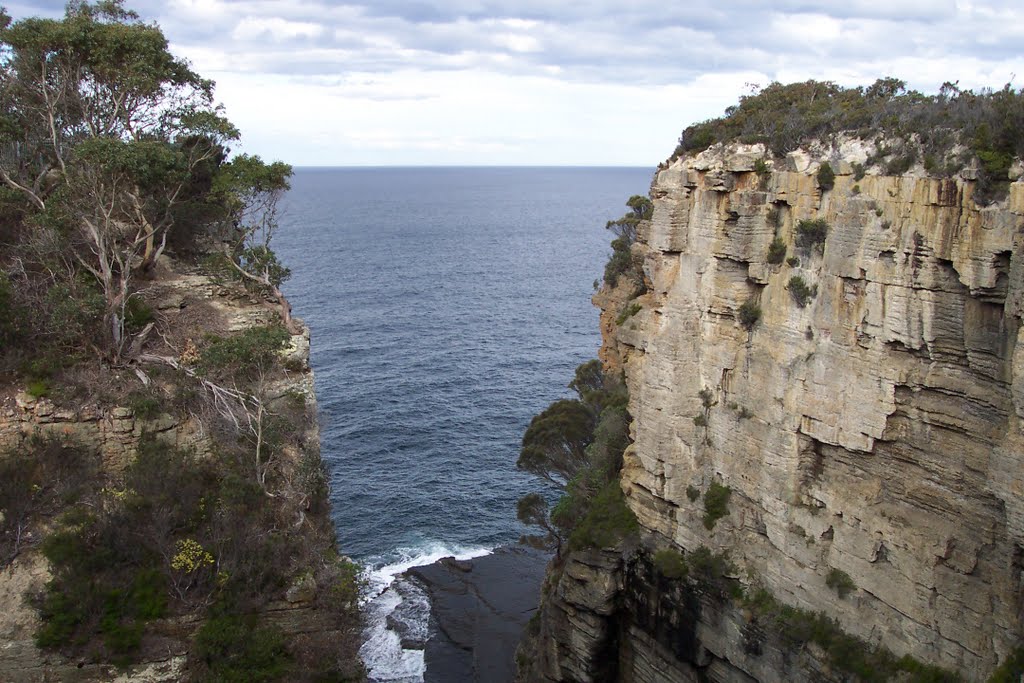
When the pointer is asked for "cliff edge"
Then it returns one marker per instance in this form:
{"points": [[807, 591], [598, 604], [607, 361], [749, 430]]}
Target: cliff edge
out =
{"points": [[826, 382]]}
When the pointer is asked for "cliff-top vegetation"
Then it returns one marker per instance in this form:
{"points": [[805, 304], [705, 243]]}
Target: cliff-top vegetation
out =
{"points": [[945, 132]]}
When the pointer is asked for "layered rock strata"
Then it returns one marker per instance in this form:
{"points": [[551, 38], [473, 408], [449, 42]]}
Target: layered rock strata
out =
{"points": [[874, 433]]}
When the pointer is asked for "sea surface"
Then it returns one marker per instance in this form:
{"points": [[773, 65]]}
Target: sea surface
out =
{"points": [[447, 307]]}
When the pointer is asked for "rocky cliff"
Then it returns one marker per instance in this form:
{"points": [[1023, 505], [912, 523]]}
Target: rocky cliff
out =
{"points": [[836, 428], [107, 427]]}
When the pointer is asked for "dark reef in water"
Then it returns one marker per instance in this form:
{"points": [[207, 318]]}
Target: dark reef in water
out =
{"points": [[479, 609]]}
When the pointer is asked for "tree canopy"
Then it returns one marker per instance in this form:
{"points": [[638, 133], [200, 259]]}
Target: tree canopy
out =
{"points": [[111, 148]]}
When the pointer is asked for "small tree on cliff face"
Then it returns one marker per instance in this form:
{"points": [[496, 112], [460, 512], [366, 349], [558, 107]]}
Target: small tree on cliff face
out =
{"points": [[251, 190], [577, 445], [625, 228]]}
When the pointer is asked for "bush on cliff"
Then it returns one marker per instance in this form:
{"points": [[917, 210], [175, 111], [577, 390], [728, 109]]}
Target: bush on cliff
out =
{"points": [[577, 445], [178, 533], [622, 262], [990, 123]]}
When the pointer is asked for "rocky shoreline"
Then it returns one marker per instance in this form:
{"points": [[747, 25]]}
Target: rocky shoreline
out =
{"points": [[479, 609]]}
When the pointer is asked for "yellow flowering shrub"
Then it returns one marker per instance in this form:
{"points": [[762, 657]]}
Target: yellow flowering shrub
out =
{"points": [[190, 556]]}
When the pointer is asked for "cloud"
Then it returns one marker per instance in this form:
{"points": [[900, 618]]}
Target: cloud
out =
{"points": [[409, 61]]}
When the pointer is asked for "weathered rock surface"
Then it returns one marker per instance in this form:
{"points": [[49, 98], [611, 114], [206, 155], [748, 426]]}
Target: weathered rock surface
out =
{"points": [[877, 431]]}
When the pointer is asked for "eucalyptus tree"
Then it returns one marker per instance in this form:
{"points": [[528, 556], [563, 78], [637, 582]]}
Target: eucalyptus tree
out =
{"points": [[103, 133]]}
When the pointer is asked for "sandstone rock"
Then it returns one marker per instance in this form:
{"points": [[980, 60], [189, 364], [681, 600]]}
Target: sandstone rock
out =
{"points": [[303, 590], [882, 434]]}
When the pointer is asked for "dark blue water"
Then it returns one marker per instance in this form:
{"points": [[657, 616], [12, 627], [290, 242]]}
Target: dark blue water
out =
{"points": [[447, 307]]}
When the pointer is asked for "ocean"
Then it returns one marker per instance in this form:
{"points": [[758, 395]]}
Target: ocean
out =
{"points": [[447, 306]]}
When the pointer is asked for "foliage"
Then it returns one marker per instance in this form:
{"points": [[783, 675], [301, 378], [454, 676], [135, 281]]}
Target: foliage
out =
{"points": [[845, 652], [607, 521], [628, 312], [35, 481], [826, 177], [238, 649], [578, 446], [692, 493], [811, 233], [716, 504], [114, 149], [245, 354], [1011, 670], [800, 290], [793, 262], [179, 533], [622, 261], [12, 315], [749, 314], [989, 122], [38, 388], [144, 405], [641, 209], [776, 251], [555, 441], [840, 582], [670, 563]]}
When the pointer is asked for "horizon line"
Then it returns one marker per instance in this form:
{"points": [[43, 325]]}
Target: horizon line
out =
{"points": [[371, 166]]}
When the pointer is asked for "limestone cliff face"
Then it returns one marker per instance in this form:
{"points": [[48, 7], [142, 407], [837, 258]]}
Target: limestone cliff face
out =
{"points": [[876, 431]]}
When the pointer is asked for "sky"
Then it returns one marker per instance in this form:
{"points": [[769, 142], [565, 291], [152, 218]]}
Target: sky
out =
{"points": [[548, 82]]}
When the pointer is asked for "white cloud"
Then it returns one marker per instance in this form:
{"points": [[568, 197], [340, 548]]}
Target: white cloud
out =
{"points": [[487, 81]]}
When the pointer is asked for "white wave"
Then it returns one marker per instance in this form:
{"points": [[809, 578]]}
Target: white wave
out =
{"points": [[382, 652]]}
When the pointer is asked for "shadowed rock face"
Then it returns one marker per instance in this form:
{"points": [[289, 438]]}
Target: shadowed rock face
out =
{"points": [[876, 431]]}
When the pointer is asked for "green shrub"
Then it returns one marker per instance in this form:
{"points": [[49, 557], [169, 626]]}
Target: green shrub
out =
{"points": [[716, 504], [800, 291], [73, 314], [761, 168], [619, 263], [749, 314], [693, 493], [144, 405], [855, 190], [811, 233], [608, 521], [244, 354], [137, 314], [707, 398], [238, 649], [793, 262], [700, 420], [845, 653], [12, 315], [858, 171], [628, 312], [826, 177], [38, 388], [776, 251], [670, 563], [840, 582], [1011, 670]]}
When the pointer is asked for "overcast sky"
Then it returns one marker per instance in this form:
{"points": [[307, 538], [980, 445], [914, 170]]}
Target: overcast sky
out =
{"points": [[387, 82]]}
